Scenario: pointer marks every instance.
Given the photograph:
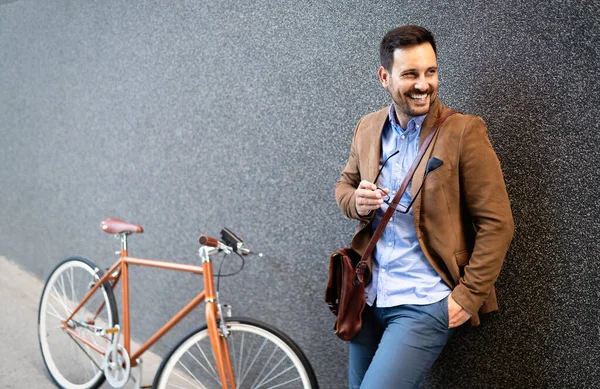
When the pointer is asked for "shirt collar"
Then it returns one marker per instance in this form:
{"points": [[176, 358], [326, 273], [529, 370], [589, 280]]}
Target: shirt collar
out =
{"points": [[414, 123]]}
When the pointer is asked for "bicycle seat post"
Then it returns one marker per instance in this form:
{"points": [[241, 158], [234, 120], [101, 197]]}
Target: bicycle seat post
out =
{"points": [[123, 236]]}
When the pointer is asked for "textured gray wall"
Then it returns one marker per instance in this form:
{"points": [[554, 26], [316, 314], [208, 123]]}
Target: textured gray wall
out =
{"points": [[187, 116]]}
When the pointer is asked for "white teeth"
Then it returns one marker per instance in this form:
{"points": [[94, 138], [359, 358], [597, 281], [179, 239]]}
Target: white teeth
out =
{"points": [[420, 97]]}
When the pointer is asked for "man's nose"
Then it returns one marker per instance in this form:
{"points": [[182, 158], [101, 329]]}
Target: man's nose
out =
{"points": [[421, 84]]}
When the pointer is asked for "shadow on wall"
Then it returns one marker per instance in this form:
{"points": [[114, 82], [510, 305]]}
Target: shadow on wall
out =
{"points": [[512, 341]]}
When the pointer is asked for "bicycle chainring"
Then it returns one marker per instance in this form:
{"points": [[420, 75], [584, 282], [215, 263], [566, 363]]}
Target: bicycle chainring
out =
{"points": [[117, 368]]}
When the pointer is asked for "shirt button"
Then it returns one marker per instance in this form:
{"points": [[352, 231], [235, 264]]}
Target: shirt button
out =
{"points": [[396, 164], [402, 136], [417, 126], [393, 192], [390, 244], [383, 270], [391, 219]]}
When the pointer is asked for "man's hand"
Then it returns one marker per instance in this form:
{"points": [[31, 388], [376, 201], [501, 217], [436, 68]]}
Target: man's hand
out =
{"points": [[368, 197], [456, 313]]}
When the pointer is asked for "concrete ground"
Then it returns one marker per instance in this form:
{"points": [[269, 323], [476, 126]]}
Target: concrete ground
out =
{"points": [[21, 365]]}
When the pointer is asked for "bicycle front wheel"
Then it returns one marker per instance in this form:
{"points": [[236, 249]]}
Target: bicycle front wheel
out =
{"points": [[72, 363], [261, 357]]}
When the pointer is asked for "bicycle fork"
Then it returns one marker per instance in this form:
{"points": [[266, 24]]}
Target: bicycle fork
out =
{"points": [[218, 339]]}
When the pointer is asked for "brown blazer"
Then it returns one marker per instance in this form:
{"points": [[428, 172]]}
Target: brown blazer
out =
{"points": [[462, 216]]}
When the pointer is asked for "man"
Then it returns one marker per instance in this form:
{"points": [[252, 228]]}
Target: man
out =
{"points": [[434, 267]]}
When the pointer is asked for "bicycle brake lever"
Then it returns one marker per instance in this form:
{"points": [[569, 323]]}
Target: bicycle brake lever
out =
{"points": [[231, 239]]}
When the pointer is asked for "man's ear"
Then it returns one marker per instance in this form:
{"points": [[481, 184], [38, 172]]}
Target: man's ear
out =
{"points": [[384, 76]]}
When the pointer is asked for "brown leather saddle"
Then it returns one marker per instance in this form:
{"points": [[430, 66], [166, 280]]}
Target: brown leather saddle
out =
{"points": [[116, 226]]}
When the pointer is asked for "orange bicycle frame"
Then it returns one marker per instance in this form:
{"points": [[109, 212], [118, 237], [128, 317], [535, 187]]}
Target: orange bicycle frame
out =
{"points": [[121, 267]]}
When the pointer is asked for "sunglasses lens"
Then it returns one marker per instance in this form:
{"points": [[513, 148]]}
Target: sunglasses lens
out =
{"points": [[385, 197]]}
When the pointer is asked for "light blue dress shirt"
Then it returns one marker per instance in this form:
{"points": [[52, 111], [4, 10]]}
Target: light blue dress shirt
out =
{"points": [[401, 273]]}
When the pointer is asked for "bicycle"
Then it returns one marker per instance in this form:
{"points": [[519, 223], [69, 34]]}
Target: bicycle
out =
{"points": [[80, 335]]}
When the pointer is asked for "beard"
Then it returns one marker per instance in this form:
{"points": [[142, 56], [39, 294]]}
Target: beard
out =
{"points": [[411, 107]]}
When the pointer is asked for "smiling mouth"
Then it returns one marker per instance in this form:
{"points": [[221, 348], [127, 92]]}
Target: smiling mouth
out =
{"points": [[420, 98]]}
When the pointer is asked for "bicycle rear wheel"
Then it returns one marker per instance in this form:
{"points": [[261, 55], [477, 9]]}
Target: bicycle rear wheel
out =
{"points": [[261, 357], [71, 363]]}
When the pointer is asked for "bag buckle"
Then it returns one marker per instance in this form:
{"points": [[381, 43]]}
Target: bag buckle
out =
{"points": [[359, 271]]}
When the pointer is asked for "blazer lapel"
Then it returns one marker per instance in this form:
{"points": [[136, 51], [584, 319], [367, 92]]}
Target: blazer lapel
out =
{"points": [[374, 145], [435, 112]]}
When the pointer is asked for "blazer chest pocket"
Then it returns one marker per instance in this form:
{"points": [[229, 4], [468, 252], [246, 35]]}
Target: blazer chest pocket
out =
{"points": [[438, 175]]}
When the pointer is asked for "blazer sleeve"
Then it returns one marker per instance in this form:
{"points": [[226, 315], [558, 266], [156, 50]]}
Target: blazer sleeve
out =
{"points": [[485, 195], [349, 181]]}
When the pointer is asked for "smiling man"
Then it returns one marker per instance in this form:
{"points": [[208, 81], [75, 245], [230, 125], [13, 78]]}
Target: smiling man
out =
{"points": [[435, 266]]}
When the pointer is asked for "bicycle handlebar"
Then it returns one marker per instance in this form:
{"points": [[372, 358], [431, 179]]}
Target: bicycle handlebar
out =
{"points": [[206, 240], [229, 241]]}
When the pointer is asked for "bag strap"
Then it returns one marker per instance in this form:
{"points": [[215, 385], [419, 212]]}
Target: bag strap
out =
{"points": [[361, 266]]}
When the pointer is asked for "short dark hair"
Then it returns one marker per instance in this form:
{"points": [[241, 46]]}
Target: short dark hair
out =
{"points": [[404, 36]]}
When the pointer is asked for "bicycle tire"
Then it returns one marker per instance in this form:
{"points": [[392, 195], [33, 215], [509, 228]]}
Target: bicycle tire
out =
{"points": [[72, 364], [191, 362]]}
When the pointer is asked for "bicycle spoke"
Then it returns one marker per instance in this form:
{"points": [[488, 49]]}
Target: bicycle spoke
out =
{"points": [[213, 374], [278, 375], [284, 383], [73, 296], [58, 298], [64, 291], [271, 371], [190, 373], [253, 362], [263, 369], [55, 312], [239, 372], [233, 358]]}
